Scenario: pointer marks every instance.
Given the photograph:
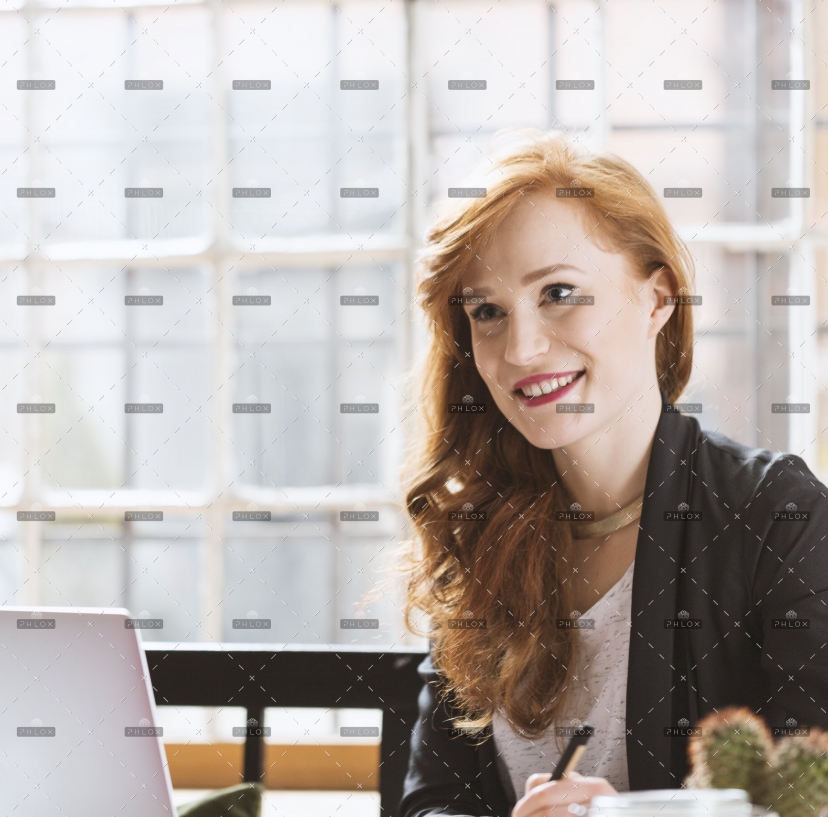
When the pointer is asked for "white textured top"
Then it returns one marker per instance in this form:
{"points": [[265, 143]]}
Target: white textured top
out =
{"points": [[599, 695]]}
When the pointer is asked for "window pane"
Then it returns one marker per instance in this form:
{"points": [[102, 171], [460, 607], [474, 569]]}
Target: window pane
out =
{"points": [[304, 137], [99, 137], [286, 579], [164, 584], [311, 350], [80, 572]]}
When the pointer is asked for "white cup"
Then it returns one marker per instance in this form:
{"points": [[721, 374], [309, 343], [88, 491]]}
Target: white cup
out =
{"points": [[674, 803]]}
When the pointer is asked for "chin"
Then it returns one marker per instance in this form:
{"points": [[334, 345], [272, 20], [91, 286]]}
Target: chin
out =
{"points": [[554, 433]]}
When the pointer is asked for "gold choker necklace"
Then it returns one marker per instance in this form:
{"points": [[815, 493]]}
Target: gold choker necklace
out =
{"points": [[603, 527]]}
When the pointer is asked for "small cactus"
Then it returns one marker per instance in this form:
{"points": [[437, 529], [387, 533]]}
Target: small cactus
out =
{"points": [[799, 782], [735, 750]]}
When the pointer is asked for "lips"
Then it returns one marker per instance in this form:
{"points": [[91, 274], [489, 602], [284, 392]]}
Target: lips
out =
{"points": [[540, 389], [546, 376]]}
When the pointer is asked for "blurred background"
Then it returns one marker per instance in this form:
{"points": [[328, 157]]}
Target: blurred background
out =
{"points": [[306, 247]]}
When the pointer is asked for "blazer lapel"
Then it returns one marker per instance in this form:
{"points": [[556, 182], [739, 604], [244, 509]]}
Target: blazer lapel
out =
{"points": [[649, 707], [498, 790]]}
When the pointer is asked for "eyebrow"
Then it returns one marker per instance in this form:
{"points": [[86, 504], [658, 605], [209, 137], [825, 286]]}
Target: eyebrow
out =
{"points": [[531, 277]]}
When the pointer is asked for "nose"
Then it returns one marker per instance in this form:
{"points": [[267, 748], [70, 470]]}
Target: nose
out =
{"points": [[527, 337]]}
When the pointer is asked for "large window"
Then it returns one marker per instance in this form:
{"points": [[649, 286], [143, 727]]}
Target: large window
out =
{"points": [[308, 249]]}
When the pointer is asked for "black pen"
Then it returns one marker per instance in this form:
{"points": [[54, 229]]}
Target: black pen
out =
{"points": [[574, 750]]}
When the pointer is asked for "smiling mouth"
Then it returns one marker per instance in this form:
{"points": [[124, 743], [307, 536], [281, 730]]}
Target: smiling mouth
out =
{"points": [[550, 386]]}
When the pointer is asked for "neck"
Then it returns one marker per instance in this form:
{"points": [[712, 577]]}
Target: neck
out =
{"points": [[607, 470]]}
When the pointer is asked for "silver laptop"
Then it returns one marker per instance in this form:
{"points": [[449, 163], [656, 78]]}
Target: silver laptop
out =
{"points": [[77, 717]]}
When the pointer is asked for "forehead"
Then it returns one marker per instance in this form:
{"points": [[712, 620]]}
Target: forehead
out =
{"points": [[539, 230]]}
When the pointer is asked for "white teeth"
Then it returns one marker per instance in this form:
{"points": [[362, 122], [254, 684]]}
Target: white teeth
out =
{"points": [[547, 386]]}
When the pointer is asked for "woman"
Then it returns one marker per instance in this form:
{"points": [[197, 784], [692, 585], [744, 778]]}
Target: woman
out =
{"points": [[584, 552]]}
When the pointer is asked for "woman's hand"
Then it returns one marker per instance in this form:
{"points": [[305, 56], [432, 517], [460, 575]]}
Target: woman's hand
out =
{"points": [[551, 799]]}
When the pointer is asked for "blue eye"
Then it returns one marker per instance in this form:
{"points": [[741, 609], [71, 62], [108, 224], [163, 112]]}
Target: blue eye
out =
{"points": [[559, 287], [477, 315], [480, 315]]}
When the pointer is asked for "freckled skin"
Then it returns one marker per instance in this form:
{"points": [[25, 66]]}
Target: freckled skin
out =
{"points": [[613, 340], [601, 458]]}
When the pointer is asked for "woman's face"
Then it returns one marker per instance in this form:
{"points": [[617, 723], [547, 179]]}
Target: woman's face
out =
{"points": [[535, 354]]}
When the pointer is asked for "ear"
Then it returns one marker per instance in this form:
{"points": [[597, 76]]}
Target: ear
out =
{"points": [[662, 284]]}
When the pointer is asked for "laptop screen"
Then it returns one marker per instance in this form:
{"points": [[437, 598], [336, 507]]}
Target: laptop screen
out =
{"points": [[77, 727]]}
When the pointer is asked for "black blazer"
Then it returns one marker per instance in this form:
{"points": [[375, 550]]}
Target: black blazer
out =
{"points": [[736, 569]]}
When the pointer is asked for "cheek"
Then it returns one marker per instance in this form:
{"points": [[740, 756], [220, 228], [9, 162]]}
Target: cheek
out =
{"points": [[628, 327], [486, 358], [582, 330]]}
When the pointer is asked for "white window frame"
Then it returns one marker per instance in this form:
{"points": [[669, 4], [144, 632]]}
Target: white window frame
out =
{"points": [[216, 504]]}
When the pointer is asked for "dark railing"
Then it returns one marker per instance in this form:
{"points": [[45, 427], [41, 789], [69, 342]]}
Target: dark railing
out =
{"points": [[256, 676]]}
